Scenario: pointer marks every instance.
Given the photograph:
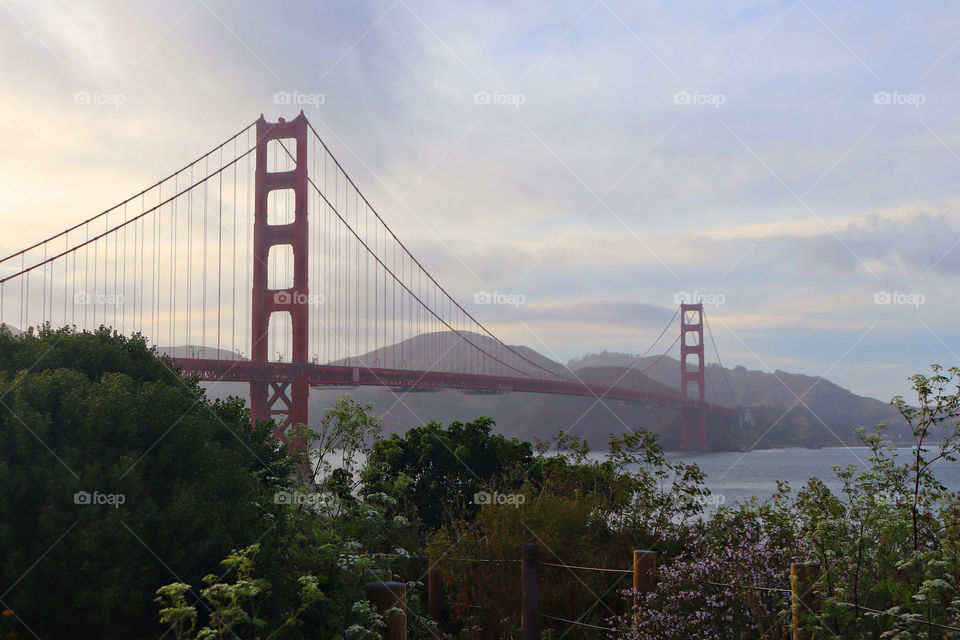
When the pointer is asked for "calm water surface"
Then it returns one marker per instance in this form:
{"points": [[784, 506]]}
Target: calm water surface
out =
{"points": [[737, 476]]}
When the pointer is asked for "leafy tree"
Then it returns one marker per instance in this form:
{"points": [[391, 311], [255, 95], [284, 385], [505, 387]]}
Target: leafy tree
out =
{"points": [[441, 468], [936, 415], [118, 475]]}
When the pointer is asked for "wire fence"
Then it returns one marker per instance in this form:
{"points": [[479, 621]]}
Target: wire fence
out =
{"points": [[570, 566], [643, 573], [901, 616], [579, 623]]}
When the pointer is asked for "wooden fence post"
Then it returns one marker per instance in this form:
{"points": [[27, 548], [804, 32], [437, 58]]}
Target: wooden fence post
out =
{"points": [[644, 566], [803, 576], [385, 596], [434, 590], [529, 610]]}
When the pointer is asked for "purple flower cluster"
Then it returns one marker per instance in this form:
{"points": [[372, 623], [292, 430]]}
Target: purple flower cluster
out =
{"points": [[691, 601]]}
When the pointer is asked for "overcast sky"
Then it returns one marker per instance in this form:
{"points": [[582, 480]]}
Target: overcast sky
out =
{"points": [[792, 160]]}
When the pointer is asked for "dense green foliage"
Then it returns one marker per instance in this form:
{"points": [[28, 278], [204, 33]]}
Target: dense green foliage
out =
{"points": [[443, 467], [177, 479], [175, 484]]}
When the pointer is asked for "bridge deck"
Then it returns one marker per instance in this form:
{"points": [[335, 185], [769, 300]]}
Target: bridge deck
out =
{"points": [[210, 370]]}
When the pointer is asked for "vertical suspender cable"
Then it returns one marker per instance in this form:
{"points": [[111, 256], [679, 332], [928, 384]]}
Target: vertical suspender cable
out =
{"points": [[219, 250], [123, 287], [43, 300], [233, 263], [356, 218], [140, 302], [201, 351], [91, 295], [249, 251], [189, 315], [66, 277], [86, 274], [171, 306]]}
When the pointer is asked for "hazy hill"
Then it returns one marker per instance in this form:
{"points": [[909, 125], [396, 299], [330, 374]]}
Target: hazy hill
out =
{"points": [[838, 408], [447, 351], [623, 377]]}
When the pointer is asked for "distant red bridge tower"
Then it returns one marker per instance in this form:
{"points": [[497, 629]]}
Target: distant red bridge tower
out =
{"points": [[692, 372]]}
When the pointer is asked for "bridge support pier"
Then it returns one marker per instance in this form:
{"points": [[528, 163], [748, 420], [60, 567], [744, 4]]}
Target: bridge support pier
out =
{"points": [[284, 401], [693, 419]]}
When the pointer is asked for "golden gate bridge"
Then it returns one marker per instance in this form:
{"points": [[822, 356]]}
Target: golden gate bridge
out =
{"points": [[262, 262]]}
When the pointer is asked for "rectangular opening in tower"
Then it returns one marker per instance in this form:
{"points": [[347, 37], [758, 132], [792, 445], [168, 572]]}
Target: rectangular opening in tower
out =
{"points": [[281, 155], [280, 337], [281, 206], [280, 266]]}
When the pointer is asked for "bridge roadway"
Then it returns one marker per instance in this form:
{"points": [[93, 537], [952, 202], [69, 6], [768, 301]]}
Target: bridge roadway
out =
{"points": [[322, 375]]}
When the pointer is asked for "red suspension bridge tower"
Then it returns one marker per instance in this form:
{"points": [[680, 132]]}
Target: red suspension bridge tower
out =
{"points": [[692, 372], [285, 401]]}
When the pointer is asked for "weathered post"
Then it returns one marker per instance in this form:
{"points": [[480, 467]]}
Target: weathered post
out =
{"points": [[529, 595], [434, 590], [644, 566], [389, 595], [803, 575]]}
